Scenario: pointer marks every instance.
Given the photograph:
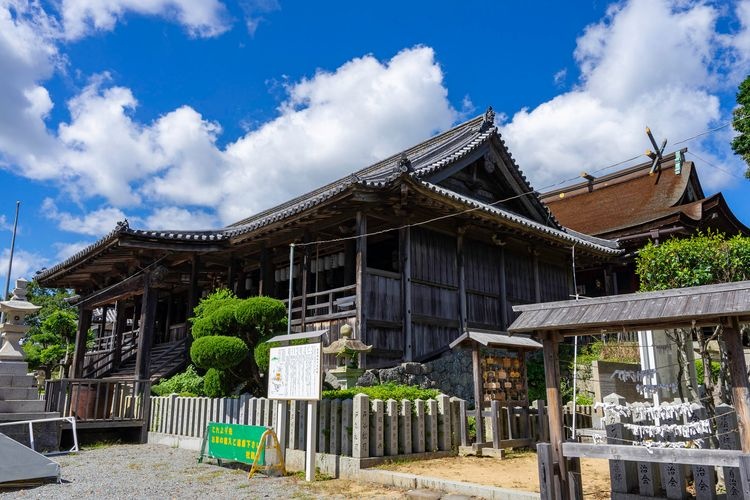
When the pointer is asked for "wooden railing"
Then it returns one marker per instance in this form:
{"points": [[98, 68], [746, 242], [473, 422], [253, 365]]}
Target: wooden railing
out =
{"points": [[97, 363], [326, 305], [98, 400]]}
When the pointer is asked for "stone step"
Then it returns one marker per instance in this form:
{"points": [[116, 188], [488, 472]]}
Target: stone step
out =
{"points": [[37, 415], [8, 393], [21, 406], [13, 368], [17, 381]]}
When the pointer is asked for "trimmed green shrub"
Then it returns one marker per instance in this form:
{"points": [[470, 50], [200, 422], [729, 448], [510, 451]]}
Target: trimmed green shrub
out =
{"points": [[263, 315], [384, 391], [216, 383], [187, 382], [218, 351]]}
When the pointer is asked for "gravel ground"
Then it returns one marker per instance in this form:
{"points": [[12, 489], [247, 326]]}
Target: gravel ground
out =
{"points": [[155, 471]]}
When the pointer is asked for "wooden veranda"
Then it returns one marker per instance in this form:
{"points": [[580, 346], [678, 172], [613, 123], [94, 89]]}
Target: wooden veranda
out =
{"points": [[723, 304]]}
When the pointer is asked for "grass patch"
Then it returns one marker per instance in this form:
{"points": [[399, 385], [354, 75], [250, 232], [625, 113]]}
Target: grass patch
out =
{"points": [[96, 445]]}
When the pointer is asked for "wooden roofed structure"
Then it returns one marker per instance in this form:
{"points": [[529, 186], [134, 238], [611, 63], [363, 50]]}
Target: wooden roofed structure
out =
{"points": [[411, 251], [636, 205], [725, 304]]}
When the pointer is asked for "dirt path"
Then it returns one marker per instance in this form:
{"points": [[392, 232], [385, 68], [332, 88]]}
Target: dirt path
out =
{"points": [[517, 471]]}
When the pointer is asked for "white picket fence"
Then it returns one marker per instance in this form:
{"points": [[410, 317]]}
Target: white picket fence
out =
{"points": [[358, 428]]}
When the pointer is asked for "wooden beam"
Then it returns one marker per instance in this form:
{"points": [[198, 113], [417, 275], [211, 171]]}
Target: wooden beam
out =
{"points": [[462, 298], [173, 247], [503, 291], [477, 375], [732, 335], [361, 275], [405, 258], [84, 324], [266, 285], [685, 456], [550, 345], [146, 333], [120, 321]]}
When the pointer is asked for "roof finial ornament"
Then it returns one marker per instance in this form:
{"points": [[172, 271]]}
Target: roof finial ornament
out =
{"points": [[122, 225], [489, 118], [404, 163]]}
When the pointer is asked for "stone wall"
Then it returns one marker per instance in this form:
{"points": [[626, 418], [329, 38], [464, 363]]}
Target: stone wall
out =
{"points": [[450, 374]]}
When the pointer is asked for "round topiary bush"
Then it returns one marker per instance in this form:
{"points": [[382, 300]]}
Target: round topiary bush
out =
{"points": [[264, 314], [218, 351], [216, 383]]}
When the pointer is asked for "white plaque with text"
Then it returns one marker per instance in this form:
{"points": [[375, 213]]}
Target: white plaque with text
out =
{"points": [[294, 372]]}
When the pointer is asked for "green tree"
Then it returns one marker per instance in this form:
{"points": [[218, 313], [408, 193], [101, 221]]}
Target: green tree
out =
{"points": [[704, 259], [227, 330], [50, 340], [741, 123]]}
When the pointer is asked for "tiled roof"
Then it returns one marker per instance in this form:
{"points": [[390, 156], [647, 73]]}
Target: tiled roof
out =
{"points": [[566, 235]]}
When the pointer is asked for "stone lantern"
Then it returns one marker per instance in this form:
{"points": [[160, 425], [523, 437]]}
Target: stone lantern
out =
{"points": [[347, 351], [14, 328]]}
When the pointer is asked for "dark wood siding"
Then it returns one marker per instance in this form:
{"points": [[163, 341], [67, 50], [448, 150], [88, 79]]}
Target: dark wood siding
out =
{"points": [[553, 279], [481, 266]]}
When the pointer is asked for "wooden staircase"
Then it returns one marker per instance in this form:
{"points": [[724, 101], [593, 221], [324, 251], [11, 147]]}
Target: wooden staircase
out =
{"points": [[166, 360]]}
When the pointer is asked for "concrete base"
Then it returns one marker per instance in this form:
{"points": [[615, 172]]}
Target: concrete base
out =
{"points": [[481, 451]]}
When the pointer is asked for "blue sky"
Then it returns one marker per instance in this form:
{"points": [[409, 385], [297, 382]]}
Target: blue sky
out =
{"points": [[183, 114]]}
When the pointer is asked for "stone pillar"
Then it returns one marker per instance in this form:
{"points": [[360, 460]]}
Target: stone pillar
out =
{"points": [[376, 428], [417, 427], [391, 428], [404, 428], [361, 426]]}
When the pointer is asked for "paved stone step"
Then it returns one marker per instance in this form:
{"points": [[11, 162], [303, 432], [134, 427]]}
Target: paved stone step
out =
{"points": [[21, 406], [14, 417], [7, 393], [13, 368], [17, 381]]}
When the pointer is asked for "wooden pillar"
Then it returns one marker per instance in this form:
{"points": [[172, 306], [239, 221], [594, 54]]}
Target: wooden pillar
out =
{"points": [[168, 318], [537, 281], [405, 258], [361, 274], [231, 274], [119, 328], [350, 263], [192, 301], [503, 291], [265, 287], [304, 279], [84, 324], [103, 322], [462, 306], [550, 344], [146, 335], [740, 394], [477, 373]]}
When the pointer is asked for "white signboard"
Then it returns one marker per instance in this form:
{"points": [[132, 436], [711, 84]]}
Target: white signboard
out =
{"points": [[294, 372]]}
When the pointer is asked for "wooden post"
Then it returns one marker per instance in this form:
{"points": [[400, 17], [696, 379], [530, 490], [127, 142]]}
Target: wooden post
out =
{"points": [[462, 306], [120, 321], [546, 471], [192, 301], [503, 291], [304, 279], [146, 336], [740, 392], [550, 344], [477, 373], [84, 324], [265, 287], [405, 250], [103, 322], [361, 267]]}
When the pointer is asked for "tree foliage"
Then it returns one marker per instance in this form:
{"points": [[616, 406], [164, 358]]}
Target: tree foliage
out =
{"points": [[741, 123], [227, 330], [53, 328], [701, 260]]}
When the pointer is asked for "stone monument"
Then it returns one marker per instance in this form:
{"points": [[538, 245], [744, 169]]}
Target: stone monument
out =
{"points": [[19, 394]]}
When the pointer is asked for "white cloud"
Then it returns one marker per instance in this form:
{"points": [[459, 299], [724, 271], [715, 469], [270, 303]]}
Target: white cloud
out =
{"points": [[255, 10], [180, 218], [25, 265], [65, 250], [201, 18], [632, 75], [94, 223]]}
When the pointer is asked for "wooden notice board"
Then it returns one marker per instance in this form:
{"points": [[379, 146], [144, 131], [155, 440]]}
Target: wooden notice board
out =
{"points": [[294, 372]]}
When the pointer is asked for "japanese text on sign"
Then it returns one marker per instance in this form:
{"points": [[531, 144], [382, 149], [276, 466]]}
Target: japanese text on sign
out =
{"points": [[294, 372]]}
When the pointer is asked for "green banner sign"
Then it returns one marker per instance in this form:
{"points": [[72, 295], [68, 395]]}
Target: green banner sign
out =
{"points": [[239, 443]]}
